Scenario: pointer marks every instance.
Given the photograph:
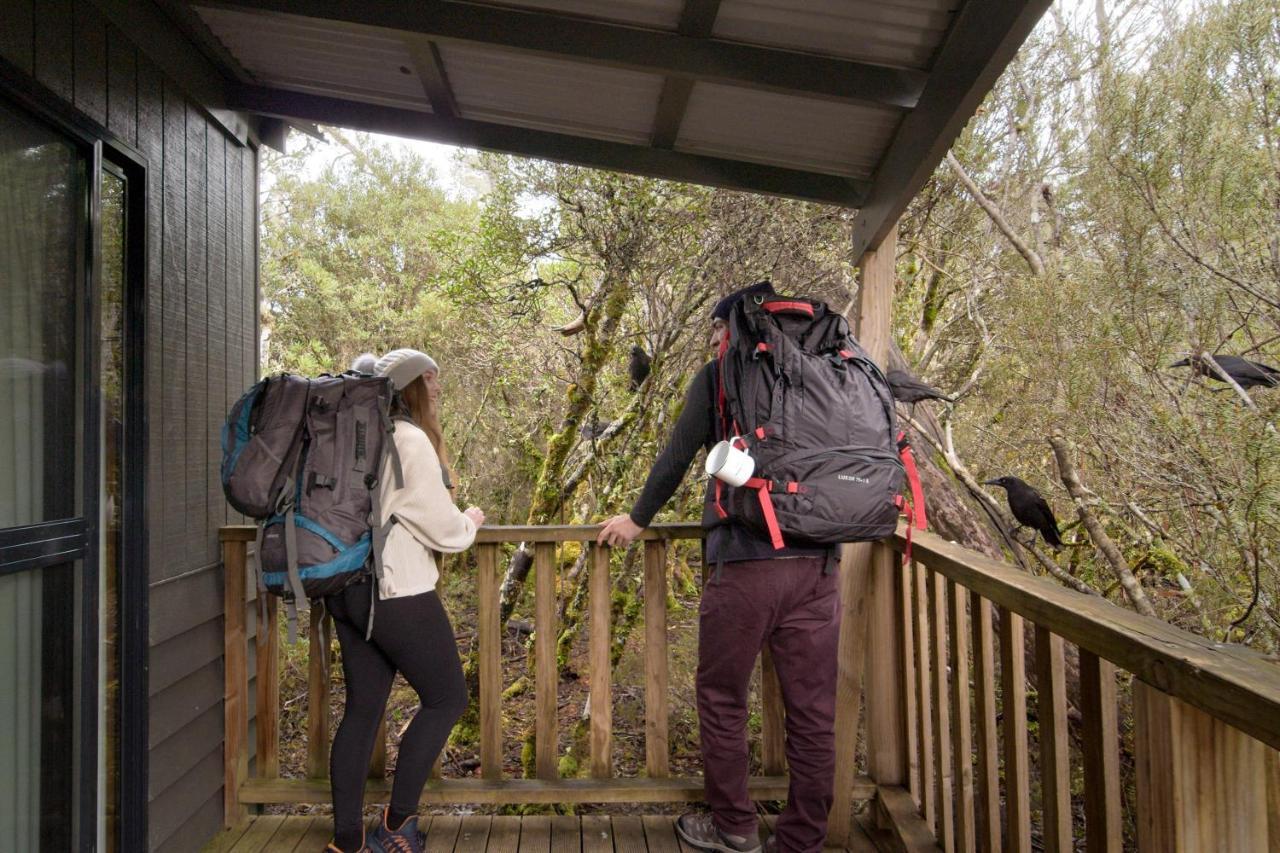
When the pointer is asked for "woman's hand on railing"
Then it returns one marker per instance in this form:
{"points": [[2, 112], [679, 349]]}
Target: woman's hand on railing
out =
{"points": [[619, 531], [475, 514]]}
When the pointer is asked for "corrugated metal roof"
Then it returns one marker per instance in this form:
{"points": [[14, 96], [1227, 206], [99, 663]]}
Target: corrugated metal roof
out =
{"points": [[321, 57], [509, 87], [660, 14], [903, 33], [785, 130]]}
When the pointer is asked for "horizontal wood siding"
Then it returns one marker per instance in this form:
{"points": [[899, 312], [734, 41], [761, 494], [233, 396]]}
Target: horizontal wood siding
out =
{"points": [[201, 339]]}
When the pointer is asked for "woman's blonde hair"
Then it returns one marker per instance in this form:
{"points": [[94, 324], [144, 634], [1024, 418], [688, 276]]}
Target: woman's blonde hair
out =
{"points": [[415, 403]]}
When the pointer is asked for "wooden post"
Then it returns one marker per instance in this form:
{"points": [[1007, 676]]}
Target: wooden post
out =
{"points": [[267, 642], [1013, 709], [773, 756], [656, 744], [547, 684], [942, 763], [906, 618], [1102, 803], [318, 696], [962, 741], [984, 668], [490, 639], [600, 607], [924, 691], [886, 706], [1202, 785], [378, 761], [235, 761]]}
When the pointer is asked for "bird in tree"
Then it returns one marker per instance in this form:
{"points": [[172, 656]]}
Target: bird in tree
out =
{"points": [[908, 389], [1246, 373], [1029, 508], [639, 366]]}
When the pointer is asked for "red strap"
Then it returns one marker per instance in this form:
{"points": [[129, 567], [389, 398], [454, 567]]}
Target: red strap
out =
{"points": [[913, 478], [793, 488], [724, 348], [846, 353], [760, 433], [720, 511], [801, 307], [763, 347], [762, 487]]}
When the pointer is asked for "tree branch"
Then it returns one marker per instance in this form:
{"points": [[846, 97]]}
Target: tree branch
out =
{"points": [[1030, 255]]}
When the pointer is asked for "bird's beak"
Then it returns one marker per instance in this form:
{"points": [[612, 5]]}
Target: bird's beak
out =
{"points": [[990, 482], [1186, 362]]}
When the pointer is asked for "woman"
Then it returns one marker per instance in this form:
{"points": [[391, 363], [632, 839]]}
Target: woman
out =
{"points": [[411, 631]]}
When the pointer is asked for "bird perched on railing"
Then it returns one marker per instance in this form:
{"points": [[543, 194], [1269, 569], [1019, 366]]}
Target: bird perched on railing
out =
{"points": [[1247, 374], [1029, 508], [908, 389], [638, 369]]}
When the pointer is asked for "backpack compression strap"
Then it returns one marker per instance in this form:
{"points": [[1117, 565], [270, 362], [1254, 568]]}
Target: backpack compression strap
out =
{"points": [[766, 507], [913, 478]]}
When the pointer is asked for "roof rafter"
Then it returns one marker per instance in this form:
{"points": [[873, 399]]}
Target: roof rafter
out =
{"points": [[696, 20], [546, 145], [982, 41], [670, 53]]}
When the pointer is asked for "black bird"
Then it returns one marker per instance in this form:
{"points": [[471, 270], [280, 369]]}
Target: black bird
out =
{"points": [[1029, 508], [907, 389], [639, 367], [1247, 374]]}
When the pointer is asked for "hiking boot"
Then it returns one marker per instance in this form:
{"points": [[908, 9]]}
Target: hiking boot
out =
{"points": [[332, 847], [405, 839], [700, 830]]}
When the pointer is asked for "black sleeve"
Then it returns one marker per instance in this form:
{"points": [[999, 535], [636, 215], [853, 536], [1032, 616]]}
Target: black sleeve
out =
{"points": [[692, 432]]}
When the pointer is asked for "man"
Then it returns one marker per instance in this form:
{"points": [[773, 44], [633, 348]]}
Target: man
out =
{"points": [[755, 595]]}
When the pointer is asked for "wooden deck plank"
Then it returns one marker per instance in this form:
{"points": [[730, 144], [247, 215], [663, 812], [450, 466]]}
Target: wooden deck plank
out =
{"points": [[628, 835], [442, 835], [660, 834], [317, 836], [597, 834], [504, 834], [566, 834], [227, 838], [473, 835], [259, 834], [291, 833], [535, 834]]}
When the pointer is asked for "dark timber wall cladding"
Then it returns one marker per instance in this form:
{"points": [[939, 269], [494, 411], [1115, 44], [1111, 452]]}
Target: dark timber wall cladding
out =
{"points": [[201, 351]]}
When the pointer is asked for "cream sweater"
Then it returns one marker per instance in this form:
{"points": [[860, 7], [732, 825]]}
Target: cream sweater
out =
{"points": [[426, 517]]}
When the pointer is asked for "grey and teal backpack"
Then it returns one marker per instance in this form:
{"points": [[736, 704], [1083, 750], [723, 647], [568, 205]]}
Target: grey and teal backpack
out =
{"points": [[302, 457], [816, 415]]}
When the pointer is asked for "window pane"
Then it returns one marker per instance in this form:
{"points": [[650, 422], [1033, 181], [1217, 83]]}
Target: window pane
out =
{"points": [[40, 211], [37, 708]]}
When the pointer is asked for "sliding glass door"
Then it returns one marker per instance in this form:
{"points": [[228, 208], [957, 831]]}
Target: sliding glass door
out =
{"points": [[46, 569]]}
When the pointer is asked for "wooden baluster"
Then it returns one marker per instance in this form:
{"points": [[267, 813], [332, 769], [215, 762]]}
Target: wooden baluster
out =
{"points": [[656, 749], [490, 638], [378, 761], [600, 616], [1102, 805], [267, 642], [904, 619], [548, 680], [236, 677], [773, 757], [963, 738], [851, 657], [318, 695], [945, 831], [1055, 772], [924, 725], [984, 676], [1013, 705]]}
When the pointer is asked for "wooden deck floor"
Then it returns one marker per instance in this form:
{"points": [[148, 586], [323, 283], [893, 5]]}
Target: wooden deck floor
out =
{"points": [[485, 834]]}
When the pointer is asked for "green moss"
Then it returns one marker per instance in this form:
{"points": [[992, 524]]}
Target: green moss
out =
{"points": [[518, 688], [568, 766]]}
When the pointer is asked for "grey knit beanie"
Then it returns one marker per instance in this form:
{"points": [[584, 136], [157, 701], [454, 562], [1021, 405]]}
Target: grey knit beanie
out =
{"points": [[365, 363], [403, 366]]}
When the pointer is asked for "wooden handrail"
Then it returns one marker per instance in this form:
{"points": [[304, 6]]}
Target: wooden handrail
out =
{"points": [[1203, 715], [264, 786], [1229, 682]]}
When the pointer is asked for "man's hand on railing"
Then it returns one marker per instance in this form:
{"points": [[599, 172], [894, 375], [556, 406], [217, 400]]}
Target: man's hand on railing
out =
{"points": [[619, 531]]}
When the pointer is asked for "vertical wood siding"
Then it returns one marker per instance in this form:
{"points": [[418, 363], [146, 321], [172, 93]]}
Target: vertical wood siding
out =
{"points": [[201, 339]]}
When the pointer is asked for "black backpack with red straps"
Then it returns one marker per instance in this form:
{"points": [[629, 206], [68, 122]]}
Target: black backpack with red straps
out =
{"points": [[816, 414]]}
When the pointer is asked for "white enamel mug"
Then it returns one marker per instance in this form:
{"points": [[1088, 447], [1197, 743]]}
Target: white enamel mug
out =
{"points": [[729, 464]]}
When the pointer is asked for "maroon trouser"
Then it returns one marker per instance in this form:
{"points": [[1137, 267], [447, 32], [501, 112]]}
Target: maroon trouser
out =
{"points": [[795, 608]]}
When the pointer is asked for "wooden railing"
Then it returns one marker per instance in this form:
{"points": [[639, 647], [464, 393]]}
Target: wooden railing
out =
{"points": [[1202, 731], [603, 785]]}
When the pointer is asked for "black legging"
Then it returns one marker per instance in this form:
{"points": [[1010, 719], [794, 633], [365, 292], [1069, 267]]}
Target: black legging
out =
{"points": [[411, 635]]}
